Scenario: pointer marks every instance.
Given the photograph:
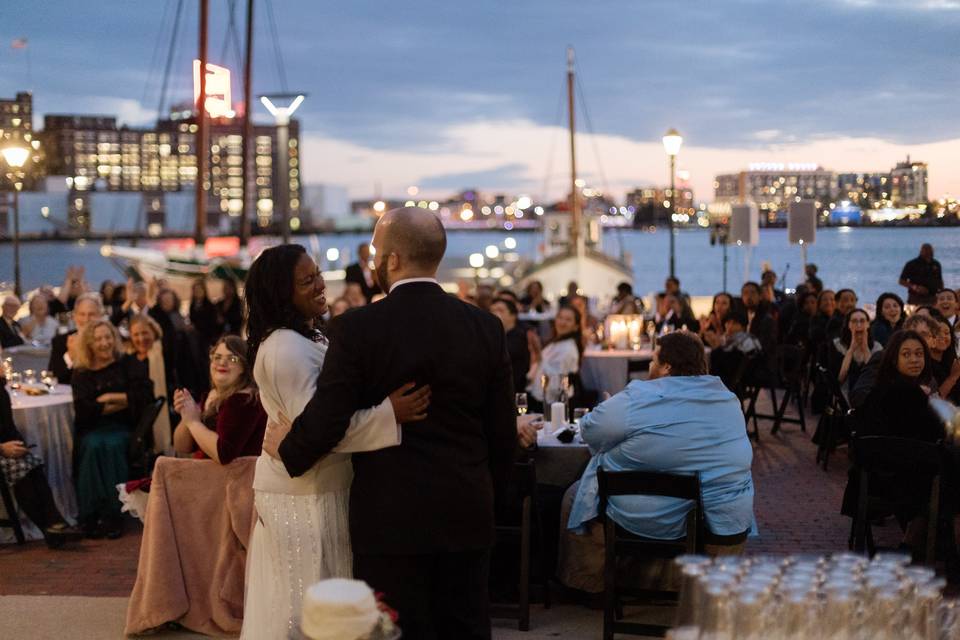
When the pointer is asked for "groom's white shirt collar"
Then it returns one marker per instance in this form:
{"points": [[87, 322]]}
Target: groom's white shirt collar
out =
{"points": [[409, 280]]}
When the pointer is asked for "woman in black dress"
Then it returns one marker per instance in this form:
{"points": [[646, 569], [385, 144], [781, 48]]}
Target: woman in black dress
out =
{"points": [[108, 398], [229, 313]]}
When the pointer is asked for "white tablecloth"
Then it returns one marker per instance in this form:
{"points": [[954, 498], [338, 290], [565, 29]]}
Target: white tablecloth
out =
{"points": [[28, 357], [607, 371], [47, 421]]}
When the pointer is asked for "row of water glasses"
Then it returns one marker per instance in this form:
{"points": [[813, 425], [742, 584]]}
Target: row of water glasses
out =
{"points": [[839, 597]]}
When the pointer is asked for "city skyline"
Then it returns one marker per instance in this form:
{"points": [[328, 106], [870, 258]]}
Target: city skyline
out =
{"points": [[446, 99]]}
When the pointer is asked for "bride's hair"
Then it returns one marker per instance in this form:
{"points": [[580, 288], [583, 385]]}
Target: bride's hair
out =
{"points": [[268, 296]]}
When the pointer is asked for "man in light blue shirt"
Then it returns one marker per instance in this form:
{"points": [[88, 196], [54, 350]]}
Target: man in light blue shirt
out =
{"points": [[680, 421]]}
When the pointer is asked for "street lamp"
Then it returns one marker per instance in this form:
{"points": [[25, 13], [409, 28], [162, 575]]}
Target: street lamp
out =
{"points": [[16, 157], [281, 106], [671, 144]]}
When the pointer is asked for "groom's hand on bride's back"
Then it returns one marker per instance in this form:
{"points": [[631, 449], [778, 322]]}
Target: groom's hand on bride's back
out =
{"points": [[410, 405], [275, 433]]}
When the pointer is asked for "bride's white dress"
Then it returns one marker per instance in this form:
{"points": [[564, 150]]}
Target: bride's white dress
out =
{"points": [[302, 533]]}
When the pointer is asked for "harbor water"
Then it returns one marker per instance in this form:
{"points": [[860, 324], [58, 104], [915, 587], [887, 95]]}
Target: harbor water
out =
{"points": [[867, 260]]}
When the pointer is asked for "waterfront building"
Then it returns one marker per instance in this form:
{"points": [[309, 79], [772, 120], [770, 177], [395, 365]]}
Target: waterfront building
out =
{"points": [[16, 127], [772, 186], [866, 190], [94, 154], [908, 184], [652, 207]]}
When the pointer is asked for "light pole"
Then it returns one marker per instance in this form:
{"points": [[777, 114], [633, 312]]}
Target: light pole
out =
{"points": [[671, 144], [281, 115], [15, 158]]}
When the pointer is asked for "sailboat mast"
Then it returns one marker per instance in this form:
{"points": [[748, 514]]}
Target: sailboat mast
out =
{"points": [[247, 128], [574, 199], [200, 200]]}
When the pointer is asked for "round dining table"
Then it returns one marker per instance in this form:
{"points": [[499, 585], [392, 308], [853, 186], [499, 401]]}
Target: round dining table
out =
{"points": [[609, 370], [559, 464], [29, 356], [47, 422]]}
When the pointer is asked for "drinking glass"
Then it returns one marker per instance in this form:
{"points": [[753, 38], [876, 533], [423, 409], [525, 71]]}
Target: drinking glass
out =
{"points": [[578, 413], [15, 379], [29, 376], [522, 404]]}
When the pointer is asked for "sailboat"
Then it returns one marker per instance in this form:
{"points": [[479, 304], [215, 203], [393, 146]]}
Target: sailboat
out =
{"points": [[574, 241]]}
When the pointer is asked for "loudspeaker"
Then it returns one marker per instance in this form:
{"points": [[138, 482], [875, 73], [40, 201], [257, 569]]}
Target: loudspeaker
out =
{"points": [[802, 222], [744, 225]]}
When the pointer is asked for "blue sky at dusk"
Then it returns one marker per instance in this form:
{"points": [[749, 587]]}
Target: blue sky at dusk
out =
{"points": [[455, 94]]}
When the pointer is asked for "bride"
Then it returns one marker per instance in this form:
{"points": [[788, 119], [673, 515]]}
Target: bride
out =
{"points": [[302, 533]]}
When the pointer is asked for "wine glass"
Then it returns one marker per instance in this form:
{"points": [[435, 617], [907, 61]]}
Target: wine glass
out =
{"points": [[15, 381], [522, 404], [47, 378], [29, 376]]}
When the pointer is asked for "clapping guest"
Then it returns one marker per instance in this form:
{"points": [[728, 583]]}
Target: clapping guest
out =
{"points": [[680, 317], [136, 300], [229, 422], [229, 313], [890, 317], [560, 356], [70, 291], [23, 472], [108, 399], [517, 343], [711, 325], [148, 360], [849, 353], [65, 348], [588, 323], [10, 332], [39, 326], [533, 299]]}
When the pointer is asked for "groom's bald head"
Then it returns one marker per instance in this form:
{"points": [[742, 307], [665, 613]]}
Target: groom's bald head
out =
{"points": [[415, 235], [409, 243]]}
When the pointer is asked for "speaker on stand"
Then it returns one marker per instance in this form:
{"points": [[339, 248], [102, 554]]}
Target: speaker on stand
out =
{"points": [[802, 226], [744, 232]]}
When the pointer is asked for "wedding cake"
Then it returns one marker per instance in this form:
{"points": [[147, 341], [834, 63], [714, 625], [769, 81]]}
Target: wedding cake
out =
{"points": [[339, 609]]}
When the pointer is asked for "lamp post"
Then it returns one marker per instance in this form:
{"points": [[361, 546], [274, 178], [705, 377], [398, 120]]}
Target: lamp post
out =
{"points": [[16, 157], [281, 107], [671, 144]]}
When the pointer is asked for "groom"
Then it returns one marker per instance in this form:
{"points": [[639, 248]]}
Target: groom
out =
{"points": [[421, 514]]}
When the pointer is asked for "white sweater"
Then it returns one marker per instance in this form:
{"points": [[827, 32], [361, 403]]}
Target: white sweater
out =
{"points": [[286, 372]]}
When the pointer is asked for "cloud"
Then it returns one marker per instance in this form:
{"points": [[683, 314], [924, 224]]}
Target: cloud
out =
{"points": [[522, 156]]}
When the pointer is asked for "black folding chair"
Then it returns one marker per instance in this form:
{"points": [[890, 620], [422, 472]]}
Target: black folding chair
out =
{"points": [[620, 543], [834, 424], [12, 521], [529, 528], [896, 460], [790, 360], [140, 453]]}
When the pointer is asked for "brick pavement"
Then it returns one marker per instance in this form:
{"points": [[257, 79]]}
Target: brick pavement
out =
{"points": [[797, 508]]}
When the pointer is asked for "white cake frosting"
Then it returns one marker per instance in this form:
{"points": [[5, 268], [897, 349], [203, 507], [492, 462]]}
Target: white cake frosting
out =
{"points": [[339, 609]]}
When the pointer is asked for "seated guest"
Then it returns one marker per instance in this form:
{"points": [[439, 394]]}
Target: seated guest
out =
{"points": [[625, 302], [339, 307], [108, 399], [39, 326], [736, 345], [559, 357], [798, 333], [517, 344], [148, 361], [588, 323], [760, 323], [921, 324], [361, 274], [533, 300], [943, 359], [947, 305], [229, 313], [65, 348], [890, 317], [10, 332], [230, 421], [672, 286], [846, 302], [23, 472], [848, 354], [679, 316], [712, 327], [203, 315], [768, 288], [680, 421], [136, 300], [898, 406], [824, 326], [573, 289]]}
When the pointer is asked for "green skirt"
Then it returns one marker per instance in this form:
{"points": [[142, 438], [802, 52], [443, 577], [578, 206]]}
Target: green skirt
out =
{"points": [[101, 466]]}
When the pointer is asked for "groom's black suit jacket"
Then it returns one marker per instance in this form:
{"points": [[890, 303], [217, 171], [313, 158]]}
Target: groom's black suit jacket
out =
{"points": [[434, 493]]}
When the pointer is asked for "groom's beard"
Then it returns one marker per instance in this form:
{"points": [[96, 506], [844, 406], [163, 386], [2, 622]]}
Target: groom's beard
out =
{"points": [[380, 275]]}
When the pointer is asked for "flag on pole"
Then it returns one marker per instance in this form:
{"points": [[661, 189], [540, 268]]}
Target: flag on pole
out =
{"points": [[19, 43]]}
